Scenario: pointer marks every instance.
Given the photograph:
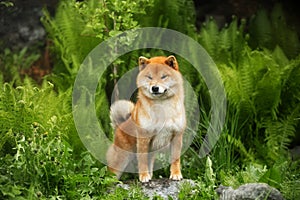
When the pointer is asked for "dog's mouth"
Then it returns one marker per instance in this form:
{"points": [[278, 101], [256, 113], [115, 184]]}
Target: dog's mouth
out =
{"points": [[158, 90], [157, 93]]}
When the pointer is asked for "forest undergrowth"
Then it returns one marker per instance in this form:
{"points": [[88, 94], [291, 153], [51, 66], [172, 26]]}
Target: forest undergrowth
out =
{"points": [[42, 156]]}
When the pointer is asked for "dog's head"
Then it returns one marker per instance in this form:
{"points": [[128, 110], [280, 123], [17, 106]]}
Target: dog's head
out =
{"points": [[159, 77]]}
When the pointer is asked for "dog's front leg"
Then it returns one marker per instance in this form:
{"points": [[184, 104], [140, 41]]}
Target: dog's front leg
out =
{"points": [[176, 145], [142, 151]]}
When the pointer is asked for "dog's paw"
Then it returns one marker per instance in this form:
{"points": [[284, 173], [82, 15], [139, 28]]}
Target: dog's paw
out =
{"points": [[144, 177], [176, 176]]}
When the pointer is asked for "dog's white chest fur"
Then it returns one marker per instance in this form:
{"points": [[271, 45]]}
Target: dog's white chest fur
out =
{"points": [[161, 140], [163, 121]]}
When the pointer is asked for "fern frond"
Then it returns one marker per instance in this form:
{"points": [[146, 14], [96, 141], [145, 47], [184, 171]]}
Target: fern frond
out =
{"points": [[178, 15], [237, 41], [261, 37], [279, 134], [279, 56], [286, 37], [239, 86], [291, 86], [275, 32], [65, 30], [208, 38], [268, 93], [240, 147]]}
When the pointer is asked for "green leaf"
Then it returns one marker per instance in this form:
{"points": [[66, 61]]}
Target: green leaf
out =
{"points": [[209, 173], [11, 190], [272, 177], [279, 56], [7, 3]]}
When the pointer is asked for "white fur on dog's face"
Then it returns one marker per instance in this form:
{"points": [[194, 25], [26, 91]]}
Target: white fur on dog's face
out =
{"points": [[157, 81]]}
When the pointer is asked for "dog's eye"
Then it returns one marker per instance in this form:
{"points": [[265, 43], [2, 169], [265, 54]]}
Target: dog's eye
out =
{"points": [[164, 76], [149, 77]]}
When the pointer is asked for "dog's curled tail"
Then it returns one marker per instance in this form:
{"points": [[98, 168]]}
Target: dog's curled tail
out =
{"points": [[120, 111]]}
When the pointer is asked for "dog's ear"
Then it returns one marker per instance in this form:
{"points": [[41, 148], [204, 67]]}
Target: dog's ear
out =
{"points": [[172, 62], [143, 61]]}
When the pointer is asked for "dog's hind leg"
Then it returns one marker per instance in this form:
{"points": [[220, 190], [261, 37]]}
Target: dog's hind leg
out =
{"points": [[117, 160]]}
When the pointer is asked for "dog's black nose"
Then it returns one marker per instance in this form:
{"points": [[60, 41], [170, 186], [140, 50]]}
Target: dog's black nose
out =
{"points": [[155, 89]]}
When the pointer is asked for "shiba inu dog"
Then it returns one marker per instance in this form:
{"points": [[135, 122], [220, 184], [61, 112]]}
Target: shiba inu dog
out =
{"points": [[156, 121]]}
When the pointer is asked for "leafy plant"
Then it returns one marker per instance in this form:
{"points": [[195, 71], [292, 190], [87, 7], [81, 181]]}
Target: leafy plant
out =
{"points": [[278, 176], [224, 46], [11, 63], [275, 32], [27, 104], [44, 166], [263, 100], [80, 26], [179, 15], [41, 155], [7, 3], [255, 82]]}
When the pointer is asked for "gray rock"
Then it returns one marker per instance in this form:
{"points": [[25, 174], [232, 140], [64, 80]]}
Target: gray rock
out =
{"points": [[164, 188], [250, 191], [20, 24]]}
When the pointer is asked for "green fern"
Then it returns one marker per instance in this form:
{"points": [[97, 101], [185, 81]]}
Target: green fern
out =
{"points": [[26, 105], [226, 45], [178, 15], [261, 36], [65, 30], [12, 63], [291, 86], [279, 135], [275, 32], [268, 88], [256, 83], [208, 38]]}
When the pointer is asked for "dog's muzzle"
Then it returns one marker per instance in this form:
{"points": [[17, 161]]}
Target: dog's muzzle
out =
{"points": [[157, 90]]}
